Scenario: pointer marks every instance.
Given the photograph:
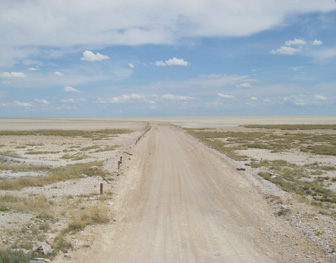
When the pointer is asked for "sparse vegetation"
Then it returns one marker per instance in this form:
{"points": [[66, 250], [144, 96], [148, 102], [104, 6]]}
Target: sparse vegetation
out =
{"points": [[63, 173], [89, 216], [295, 127], [306, 181], [67, 133], [19, 167], [55, 216], [41, 152]]}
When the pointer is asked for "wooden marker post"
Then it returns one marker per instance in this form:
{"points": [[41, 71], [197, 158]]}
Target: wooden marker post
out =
{"points": [[101, 188]]}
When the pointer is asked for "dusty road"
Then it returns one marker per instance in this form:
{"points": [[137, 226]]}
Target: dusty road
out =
{"points": [[181, 202]]}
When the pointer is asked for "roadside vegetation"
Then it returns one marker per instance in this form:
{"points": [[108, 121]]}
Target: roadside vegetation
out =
{"points": [[63, 173], [67, 133], [56, 218], [311, 182]]}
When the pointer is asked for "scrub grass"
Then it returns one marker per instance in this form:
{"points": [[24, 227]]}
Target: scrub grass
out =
{"points": [[305, 181], [89, 216], [15, 167], [71, 171], [37, 204], [295, 126], [68, 133]]}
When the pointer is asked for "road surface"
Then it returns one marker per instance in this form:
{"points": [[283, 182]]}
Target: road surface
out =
{"points": [[182, 202]]}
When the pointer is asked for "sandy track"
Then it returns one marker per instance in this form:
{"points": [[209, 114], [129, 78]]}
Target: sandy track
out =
{"points": [[181, 202]]}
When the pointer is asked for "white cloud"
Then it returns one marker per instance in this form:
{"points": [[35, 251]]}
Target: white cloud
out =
{"points": [[42, 101], [67, 100], [60, 74], [150, 99], [317, 42], [131, 65], [176, 98], [295, 42], [159, 63], [148, 21], [254, 98], [90, 56], [172, 62], [244, 85], [304, 100], [226, 96], [12, 75], [33, 68], [122, 99], [320, 97], [70, 89], [285, 50], [22, 104], [177, 62], [324, 54]]}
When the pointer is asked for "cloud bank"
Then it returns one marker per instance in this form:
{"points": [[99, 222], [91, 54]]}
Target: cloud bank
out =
{"points": [[26, 26]]}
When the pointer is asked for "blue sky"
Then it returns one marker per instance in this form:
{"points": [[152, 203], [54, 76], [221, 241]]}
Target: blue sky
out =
{"points": [[85, 58]]}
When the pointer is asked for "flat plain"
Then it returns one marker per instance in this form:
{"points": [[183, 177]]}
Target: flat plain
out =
{"points": [[215, 193]]}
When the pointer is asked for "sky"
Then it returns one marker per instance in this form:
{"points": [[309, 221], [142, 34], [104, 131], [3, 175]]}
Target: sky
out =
{"points": [[120, 58]]}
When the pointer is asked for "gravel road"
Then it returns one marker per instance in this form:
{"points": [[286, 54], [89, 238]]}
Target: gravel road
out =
{"points": [[179, 201]]}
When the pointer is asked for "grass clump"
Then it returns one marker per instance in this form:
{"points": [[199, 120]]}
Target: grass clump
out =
{"points": [[88, 216]]}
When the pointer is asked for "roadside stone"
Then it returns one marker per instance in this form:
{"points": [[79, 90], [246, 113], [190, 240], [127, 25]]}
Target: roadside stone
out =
{"points": [[42, 248]]}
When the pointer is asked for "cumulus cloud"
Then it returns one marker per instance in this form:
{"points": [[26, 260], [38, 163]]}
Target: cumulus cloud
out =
{"points": [[70, 89], [284, 50], [177, 62], [42, 101], [317, 42], [172, 62], [226, 96], [22, 104], [9, 75], [33, 69], [60, 74], [90, 56], [131, 65], [295, 42], [254, 98]]}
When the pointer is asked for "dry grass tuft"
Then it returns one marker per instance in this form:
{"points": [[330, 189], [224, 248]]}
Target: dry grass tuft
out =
{"points": [[88, 216]]}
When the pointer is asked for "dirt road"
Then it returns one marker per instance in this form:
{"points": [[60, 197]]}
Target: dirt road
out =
{"points": [[182, 202]]}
